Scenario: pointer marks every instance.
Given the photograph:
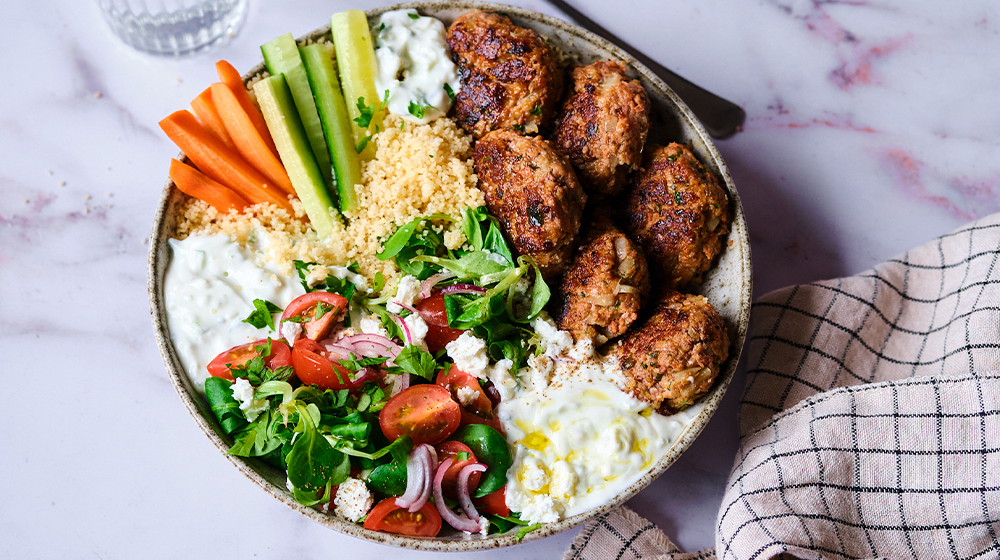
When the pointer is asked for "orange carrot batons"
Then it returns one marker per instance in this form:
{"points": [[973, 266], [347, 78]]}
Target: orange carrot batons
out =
{"points": [[220, 163], [195, 183], [203, 107], [248, 141], [231, 78]]}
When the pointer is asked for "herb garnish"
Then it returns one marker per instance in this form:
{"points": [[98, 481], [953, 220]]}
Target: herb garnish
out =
{"points": [[262, 314]]}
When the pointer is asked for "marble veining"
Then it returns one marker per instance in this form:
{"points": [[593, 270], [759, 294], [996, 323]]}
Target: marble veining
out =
{"points": [[872, 127]]}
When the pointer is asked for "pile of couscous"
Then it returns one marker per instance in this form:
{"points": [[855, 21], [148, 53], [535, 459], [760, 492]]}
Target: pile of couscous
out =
{"points": [[418, 170]]}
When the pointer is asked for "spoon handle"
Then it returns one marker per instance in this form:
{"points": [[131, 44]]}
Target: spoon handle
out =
{"points": [[720, 117]]}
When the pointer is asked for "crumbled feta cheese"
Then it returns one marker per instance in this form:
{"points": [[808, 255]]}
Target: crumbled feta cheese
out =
{"points": [[538, 374], [467, 395], [353, 499], [469, 353], [290, 331], [318, 274], [417, 328], [407, 290], [582, 350], [500, 376], [251, 407], [395, 385], [563, 481], [554, 341], [534, 477], [371, 324], [540, 508], [484, 526]]}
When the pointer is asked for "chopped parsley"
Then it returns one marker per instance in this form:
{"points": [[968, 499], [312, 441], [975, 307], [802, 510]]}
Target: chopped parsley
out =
{"points": [[449, 91], [414, 16], [262, 314]]}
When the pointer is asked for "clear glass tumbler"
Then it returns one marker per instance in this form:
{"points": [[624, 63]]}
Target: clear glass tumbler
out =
{"points": [[173, 27]]}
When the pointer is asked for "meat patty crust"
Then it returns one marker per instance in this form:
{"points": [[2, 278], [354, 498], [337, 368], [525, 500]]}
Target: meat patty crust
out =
{"points": [[604, 287], [534, 193], [673, 358], [603, 126], [678, 213], [509, 75]]}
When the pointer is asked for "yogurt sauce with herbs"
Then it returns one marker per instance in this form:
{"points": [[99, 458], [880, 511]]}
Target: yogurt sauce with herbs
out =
{"points": [[209, 289], [413, 65], [579, 440]]}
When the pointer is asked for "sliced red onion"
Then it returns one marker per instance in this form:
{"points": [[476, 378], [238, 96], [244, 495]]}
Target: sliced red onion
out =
{"points": [[430, 462], [407, 307], [462, 289], [463, 489], [416, 479], [459, 522], [428, 286], [404, 381], [420, 465], [371, 345], [339, 352]]}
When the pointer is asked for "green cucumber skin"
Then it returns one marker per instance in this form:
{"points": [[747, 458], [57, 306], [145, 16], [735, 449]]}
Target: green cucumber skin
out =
{"points": [[336, 122], [278, 106], [281, 56]]}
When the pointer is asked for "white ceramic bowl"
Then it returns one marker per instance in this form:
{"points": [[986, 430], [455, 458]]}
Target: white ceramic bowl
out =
{"points": [[727, 285]]}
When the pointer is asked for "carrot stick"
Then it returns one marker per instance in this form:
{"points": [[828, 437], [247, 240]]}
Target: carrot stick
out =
{"points": [[204, 108], [248, 142], [195, 183], [220, 163], [232, 79]]}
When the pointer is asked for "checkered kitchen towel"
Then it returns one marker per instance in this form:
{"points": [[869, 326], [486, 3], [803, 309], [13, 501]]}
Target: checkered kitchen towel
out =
{"points": [[870, 424]]}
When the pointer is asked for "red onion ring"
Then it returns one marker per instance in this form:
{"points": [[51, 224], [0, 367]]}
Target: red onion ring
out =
{"points": [[416, 478], [428, 285], [459, 522], [430, 463], [463, 489], [404, 381], [462, 289], [407, 307]]}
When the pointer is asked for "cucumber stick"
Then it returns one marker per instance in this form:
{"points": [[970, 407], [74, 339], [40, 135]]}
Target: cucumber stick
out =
{"points": [[357, 66], [282, 118], [281, 55], [336, 124]]}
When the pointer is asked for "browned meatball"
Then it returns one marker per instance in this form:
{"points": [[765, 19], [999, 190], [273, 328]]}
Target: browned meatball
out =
{"points": [[604, 286], [603, 126], [534, 193], [509, 76], [674, 357], [678, 213]]}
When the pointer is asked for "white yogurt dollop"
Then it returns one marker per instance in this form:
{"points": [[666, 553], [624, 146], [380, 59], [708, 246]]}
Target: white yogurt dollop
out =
{"points": [[210, 287], [414, 65], [579, 440]]}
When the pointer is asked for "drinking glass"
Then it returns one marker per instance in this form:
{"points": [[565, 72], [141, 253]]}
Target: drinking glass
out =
{"points": [[173, 27]]}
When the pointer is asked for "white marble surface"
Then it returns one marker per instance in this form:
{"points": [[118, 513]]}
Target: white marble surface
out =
{"points": [[872, 127]]}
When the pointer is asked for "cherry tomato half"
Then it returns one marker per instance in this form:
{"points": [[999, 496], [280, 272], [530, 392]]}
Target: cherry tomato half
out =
{"points": [[450, 450], [307, 307], [238, 355], [453, 378], [313, 366], [494, 502], [426, 413], [388, 517], [439, 334]]}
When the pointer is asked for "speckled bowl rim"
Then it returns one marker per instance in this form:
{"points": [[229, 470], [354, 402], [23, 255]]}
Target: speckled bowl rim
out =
{"points": [[158, 259]]}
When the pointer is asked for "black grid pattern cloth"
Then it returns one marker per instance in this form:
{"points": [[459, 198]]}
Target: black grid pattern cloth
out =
{"points": [[870, 423]]}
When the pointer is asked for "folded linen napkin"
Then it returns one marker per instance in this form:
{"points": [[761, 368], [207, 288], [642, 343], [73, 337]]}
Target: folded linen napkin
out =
{"points": [[870, 423]]}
